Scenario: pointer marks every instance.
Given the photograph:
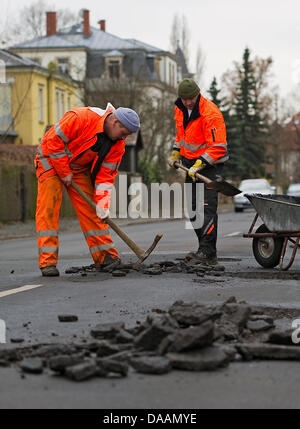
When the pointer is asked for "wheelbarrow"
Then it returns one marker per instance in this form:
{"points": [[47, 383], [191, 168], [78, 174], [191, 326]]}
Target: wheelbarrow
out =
{"points": [[281, 217]]}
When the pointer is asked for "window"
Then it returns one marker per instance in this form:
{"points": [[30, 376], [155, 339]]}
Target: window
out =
{"points": [[69, 102], [60, 103], [41, 103], [63, 65], [114, 69]]}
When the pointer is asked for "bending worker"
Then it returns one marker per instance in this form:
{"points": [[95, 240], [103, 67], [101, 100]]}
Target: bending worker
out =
{"points": [[201, 146], [85, 146]]}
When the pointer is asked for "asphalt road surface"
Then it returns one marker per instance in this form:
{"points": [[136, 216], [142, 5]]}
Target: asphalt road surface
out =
{"points": [[26, 296]]}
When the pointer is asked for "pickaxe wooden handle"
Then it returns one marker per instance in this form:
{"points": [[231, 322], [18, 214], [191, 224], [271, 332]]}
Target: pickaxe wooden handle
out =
{"points": [[141, 253]]}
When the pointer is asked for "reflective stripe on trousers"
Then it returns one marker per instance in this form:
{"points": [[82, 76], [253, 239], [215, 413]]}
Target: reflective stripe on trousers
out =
{"points": [[96, 232]]}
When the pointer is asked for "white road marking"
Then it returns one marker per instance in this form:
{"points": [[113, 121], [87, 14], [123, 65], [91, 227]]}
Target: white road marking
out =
{"points": [[233, 234], [18, 289]]}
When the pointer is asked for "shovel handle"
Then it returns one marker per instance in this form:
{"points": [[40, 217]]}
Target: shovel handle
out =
{"points": [[203, 178]]}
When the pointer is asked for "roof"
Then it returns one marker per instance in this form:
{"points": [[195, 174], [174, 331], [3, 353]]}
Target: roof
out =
{"points": [[181, 61], [114, 53], [143, 45], [13, 60], [73, 37], [292, 131], [135, 63]]}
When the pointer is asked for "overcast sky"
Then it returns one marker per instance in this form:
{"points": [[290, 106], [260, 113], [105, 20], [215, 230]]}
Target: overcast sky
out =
{"points": [[222, 28]]}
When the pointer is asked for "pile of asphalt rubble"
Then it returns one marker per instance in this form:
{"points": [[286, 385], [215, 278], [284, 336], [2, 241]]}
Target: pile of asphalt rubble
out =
{"points": [[118, 269], [187, 336]]}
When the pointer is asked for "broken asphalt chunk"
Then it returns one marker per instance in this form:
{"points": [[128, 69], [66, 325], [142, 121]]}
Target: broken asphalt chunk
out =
{"points": [[188, 314], [110, 365], [119, 273], [268, 351], [259, 325], [150, 338], [61, 362], [107, 330], [67, 318], [82, 371], [281, 337], [32, 365], [206, 359], [151, 364], [193, 337]]}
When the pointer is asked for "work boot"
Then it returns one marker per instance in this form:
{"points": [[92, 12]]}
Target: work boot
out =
{"points": [[205, 258], [50, 271]]}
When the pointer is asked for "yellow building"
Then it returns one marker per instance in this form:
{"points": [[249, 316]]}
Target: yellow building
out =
{"points": [[35, 97]]}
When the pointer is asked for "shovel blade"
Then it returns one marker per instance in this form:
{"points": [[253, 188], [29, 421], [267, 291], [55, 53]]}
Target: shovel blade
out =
{"points": [[224, 187]]}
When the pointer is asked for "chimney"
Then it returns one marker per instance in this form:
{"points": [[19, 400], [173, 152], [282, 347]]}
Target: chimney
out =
{"points": [[86, 23], [51, 23], [102, 24]]}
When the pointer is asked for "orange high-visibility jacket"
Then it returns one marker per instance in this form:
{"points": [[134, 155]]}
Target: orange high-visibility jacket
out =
{"points": [[70, 138], [202, 135]]}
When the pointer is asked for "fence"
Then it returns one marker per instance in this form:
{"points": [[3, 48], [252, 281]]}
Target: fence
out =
{"points": [[18, 190]]}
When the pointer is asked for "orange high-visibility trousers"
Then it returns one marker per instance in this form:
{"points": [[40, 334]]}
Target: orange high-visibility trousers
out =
{"points": [[96, 231]]}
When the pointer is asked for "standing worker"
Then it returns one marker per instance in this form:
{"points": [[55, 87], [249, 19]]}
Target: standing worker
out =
{"points": [[201, 146], [85, 146]]}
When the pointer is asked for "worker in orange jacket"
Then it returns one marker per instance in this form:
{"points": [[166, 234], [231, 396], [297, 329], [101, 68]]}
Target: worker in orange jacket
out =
{"points": [[85, 146], [201, 146]]}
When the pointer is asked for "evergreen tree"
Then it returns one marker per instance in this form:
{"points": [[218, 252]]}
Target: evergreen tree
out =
{"points": [[224, 107], [214, 92], [247, 149]]}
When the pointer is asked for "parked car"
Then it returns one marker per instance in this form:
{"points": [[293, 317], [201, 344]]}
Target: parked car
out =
{"points": [[251, 186], [294, 190]]}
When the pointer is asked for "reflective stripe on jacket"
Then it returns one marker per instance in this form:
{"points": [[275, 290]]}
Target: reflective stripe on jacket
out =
{"points": [[202, 134], [76, 132]]}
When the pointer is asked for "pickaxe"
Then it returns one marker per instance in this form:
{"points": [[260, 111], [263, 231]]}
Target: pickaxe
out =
{"points": [[141, 253]]}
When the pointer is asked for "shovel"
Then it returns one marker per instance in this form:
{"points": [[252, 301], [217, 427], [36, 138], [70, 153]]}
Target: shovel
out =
{"points": [[141, 253], [219, 185]]}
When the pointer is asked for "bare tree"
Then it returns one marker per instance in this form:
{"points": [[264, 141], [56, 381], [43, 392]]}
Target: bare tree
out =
{"points": [[180, 34], [175, 33], [156, 113], [200, 66], [31, 22], [185, 39], [264, 93]]}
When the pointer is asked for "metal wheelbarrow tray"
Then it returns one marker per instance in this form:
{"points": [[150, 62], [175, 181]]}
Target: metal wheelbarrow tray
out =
{"points": [[281, 217]]}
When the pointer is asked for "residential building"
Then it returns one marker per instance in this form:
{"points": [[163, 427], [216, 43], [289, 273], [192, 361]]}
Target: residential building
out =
{"points": [[85, 52], [32, 98]]}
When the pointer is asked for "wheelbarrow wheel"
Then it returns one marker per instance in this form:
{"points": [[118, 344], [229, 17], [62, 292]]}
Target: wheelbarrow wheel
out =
{"points": [[267, 250]]}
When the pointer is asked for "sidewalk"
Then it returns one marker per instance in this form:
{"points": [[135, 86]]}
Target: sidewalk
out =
{"points": [[27, 229]]}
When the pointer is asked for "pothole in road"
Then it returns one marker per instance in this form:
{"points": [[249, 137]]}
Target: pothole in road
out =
{"points": [[265, 275]]}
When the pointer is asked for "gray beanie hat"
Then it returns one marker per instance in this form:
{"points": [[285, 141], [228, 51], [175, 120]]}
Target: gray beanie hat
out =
{"points": [[129, 118]]}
